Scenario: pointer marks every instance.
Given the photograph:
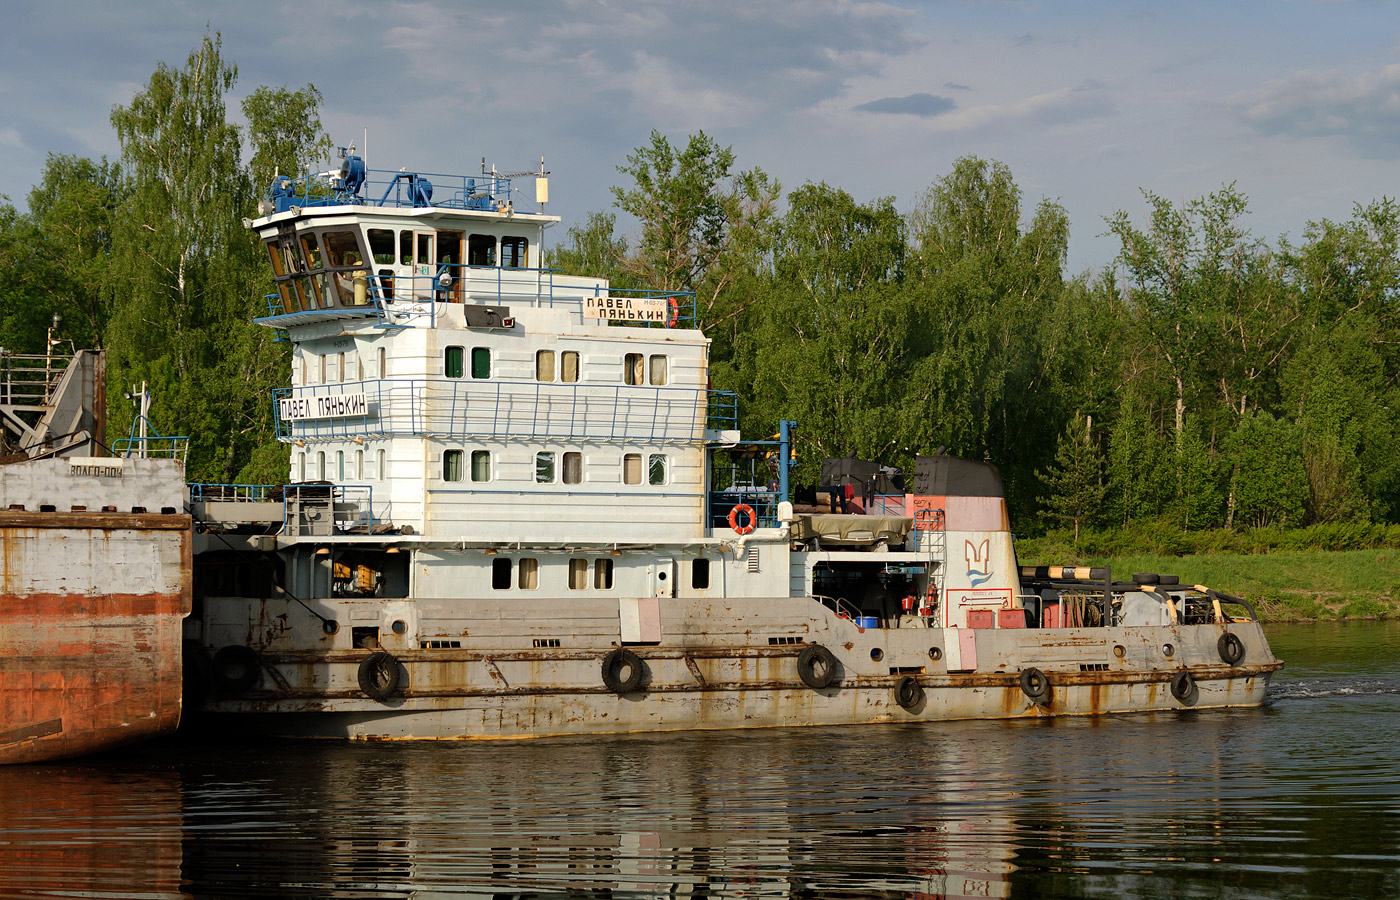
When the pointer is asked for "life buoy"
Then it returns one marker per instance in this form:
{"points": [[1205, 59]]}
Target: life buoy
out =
{"points": [[1231, 648], [908, 693], [816, 666], [235, 669], [379, 675], [673, 312], [1035, 685], [1184, 687], [747, 511], [622, 671]]}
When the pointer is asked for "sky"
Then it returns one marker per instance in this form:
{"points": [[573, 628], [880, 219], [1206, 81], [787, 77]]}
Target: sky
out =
{"points": [[1296, 102]]}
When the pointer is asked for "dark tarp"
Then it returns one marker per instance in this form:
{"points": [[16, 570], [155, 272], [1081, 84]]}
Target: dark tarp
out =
{"points": [[869, 478], [948, 476]]}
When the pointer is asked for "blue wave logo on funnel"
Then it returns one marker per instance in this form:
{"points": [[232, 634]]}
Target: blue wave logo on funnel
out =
{"points": [[979, 558]]}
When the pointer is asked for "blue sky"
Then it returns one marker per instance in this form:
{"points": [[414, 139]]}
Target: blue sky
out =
{"points": [[1296, 102]]}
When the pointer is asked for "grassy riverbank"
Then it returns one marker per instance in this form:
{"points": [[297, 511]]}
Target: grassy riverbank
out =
{"points": [[1284, 585]]}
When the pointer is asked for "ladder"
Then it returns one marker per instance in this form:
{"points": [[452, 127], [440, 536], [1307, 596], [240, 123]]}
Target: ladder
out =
{"points": [[933, 540]]}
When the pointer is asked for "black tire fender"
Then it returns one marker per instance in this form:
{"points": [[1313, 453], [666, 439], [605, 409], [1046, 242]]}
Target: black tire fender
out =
{"points": [[379, 675], [236, 669], [1183, 686], [622, 671], [1231, 648], [908, 693], [816, 666], [1035, 685]]}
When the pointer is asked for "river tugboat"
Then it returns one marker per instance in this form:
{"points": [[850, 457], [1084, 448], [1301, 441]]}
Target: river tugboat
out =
{"points": [[515, 509]]}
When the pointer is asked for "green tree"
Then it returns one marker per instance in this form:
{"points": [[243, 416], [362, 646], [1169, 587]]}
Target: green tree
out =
{"points": [[1269, 483], [1074, 486], [284, 128], [593, 249]]}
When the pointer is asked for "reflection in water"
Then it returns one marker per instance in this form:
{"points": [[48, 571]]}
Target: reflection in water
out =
{"points": [[1295, 800]]}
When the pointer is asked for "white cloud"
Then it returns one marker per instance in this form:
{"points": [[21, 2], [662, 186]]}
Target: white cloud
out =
{"points": [[1363, 108]]}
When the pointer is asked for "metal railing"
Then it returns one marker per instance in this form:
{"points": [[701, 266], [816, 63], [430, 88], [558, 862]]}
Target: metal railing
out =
{"points": [[29, 379], [307, 508]]}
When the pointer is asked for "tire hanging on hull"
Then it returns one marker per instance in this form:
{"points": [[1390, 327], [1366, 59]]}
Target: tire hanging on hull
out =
{"points": [[622, 671], [379, 675]]}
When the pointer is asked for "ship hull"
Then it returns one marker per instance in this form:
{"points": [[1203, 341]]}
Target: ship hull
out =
{"points": [[91, 618]]}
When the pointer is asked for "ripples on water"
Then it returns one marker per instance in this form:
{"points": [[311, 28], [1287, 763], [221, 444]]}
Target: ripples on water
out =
{"points": [[1299, 799]]}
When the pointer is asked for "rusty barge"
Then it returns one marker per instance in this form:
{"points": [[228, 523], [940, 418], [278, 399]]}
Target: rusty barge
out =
{"points": [[515, 509], [96, 580]]}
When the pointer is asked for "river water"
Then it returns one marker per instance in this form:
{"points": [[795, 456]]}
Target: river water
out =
{"points": [[1298, 799]]}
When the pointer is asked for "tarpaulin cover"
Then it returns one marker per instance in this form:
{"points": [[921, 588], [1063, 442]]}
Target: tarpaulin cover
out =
{"points": [[836, 529], [948, 476]]}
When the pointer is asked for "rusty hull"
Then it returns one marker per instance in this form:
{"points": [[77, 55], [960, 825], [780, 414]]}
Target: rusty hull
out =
{"points": [[91, 620]]}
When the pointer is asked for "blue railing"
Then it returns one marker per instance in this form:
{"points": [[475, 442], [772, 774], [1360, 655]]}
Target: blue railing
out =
{"points": [[723, 412], [355, 185], [152, 444], [762, 501]]}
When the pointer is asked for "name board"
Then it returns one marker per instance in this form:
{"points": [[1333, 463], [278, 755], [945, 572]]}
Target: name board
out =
{"points": [[107, 468], [336, 407], [625, 309]]}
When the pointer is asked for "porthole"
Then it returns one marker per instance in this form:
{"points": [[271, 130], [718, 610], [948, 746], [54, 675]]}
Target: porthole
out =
{"points": [[935, 654], [330, 626], [877, 654], [399, 626], [1118, 651], [1168, 650]]}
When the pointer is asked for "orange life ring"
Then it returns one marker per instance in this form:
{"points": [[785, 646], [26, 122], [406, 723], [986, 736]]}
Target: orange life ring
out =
{"points": [[734, 518], [673, 312]]}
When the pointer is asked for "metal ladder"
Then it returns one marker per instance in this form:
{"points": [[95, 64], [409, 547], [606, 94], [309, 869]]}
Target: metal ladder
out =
{"points": [[933, 538]]}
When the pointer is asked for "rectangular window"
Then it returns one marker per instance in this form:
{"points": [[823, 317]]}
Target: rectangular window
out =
{"points": [[340, 364], [405, 248], [312, 250], [481, 362], [578, 574], [322, 359], [381, 246], [573, 468], [700, 574], [451, 465], [513, 252], [481, 465], [656, 469], [342, 249], [529, 574], [658, 370], [340, 465], [360, 465], [500, 573], [544, 365], [301, 467], [544, 467], [632, 468], [452, 362], [633, 371], [481, 250], [568, 366], [320, 465], [425, 249], [602, 574], [384, 359], [380, 464]]}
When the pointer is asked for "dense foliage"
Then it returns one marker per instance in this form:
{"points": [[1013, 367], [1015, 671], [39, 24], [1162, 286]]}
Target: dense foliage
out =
{"points": [[1205, 380]]}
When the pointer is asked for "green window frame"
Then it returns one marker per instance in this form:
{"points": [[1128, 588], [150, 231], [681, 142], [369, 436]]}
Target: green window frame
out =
{"points": [[452, 362]]}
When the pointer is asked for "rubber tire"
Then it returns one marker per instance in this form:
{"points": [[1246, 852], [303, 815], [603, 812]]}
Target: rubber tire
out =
{"points": [[816, 666], [1146, 578], [236, 669], [1231, 649], [1035, 685], [379, 675], [615, 663], [908, 693], [1169, 579], [1183, 686]]}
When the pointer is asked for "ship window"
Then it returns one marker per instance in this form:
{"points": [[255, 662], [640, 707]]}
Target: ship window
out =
{"points": [[513, 252], [383, 357], [322, 358], [340, 364], [481, 362], [381, 246], [529, 574], [568, 366], [340, 465], [656, 469], [500, 573], [321, 465], [573, 468], [544, 365], [312, 250], [602, 574], [277, 267], [700, 574], [658, 370], [481, 465], [451, 362], [578, 574], [544, 467], [379, 465], [301, 467], [425, 249], [452, 465], [342, 249], [481, 250], [632, 468], [359, 465], [405, 248], [632, 369]]}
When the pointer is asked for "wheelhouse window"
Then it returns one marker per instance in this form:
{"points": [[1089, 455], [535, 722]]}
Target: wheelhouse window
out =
{"points": [[578, 574], [657, 370], [573, 468], [481, 362], [513, 252], [603, 574], [529, 574], [405, 248], [452, 465], [656, 469], [500, 573], [481, 465], [632, 468], [544, 467], [452, 361], [381, 246], [544, 365], [481, 250], [568, 366], [633, 369]]}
